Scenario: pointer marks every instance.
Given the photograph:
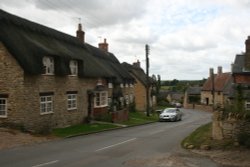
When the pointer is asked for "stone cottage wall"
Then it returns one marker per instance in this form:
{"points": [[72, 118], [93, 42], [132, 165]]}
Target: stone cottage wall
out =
{"points": [[11, 86], [23, 96], [59, 86], [140, 93]]}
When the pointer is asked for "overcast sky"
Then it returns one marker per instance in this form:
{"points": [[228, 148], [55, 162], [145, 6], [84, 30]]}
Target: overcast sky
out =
{"points": [[186, 37]]}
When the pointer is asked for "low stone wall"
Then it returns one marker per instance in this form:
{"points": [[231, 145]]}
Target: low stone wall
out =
{"points": [[229, 127], [119, 116], [199, 107]]}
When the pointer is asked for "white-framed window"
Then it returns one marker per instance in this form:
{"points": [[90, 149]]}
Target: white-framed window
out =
{"points": [[101, 99], [126, 85], [46, 104], [3, 107], [122, 85], [48, 63], [247, 105], [73, 65], [127, 99], [131, 85], [72, 101], [110, 85]]}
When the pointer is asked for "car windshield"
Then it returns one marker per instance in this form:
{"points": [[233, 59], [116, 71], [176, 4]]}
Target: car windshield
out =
{"points": [[169, 111]]}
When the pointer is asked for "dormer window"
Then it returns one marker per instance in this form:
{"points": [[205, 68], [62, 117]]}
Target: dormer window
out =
{"points": [[73, 65], [48, 63]]}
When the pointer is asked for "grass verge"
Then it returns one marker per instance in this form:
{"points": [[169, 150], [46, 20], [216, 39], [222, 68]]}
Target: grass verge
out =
{"points": [[81, 129], [137, 118], [203, 136]]}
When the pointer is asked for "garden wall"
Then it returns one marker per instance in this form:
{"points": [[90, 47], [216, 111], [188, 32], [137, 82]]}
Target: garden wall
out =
{"points": [[228, 127]]}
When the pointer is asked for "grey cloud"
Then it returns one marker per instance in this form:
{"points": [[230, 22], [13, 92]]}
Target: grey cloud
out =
{"points": [[97, 12]]}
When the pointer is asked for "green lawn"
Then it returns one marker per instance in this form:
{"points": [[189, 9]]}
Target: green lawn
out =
{"points": [[135, 118]]}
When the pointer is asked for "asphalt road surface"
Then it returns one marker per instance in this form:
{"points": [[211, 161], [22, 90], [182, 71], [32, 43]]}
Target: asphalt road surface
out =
{"points": [[151, 145]]}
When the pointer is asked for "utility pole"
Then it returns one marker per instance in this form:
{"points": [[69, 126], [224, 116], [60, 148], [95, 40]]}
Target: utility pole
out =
{"points": [[212, 80], [147, 79]]}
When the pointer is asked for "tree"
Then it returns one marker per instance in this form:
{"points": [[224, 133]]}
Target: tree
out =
{"points": [[158, 87]]}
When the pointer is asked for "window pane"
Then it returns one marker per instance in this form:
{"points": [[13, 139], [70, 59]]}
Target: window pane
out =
{"points": [[72, 101], [46, 104], [3, 107]]}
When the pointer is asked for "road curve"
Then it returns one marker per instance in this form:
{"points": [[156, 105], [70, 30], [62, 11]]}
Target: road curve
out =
{"points": [[156, 144]]}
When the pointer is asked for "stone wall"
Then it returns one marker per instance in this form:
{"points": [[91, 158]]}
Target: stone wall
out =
{"points": [[11, 85], [218, 98], [228, 127], [140, 99], [199, 107], [23, 96], [59, 86], [120, 116]]}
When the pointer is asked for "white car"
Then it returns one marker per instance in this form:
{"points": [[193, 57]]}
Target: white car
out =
{"points": [[170, 114]]}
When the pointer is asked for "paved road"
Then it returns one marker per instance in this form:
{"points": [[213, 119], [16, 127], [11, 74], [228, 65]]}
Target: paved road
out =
{"points": [[152, 145]]}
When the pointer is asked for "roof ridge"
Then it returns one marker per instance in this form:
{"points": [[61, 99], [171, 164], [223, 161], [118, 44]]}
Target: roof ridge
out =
{"points": [[37, 28]]}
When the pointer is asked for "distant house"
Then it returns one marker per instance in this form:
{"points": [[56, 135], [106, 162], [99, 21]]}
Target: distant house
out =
{"points": [[222, 86], [140, 86], [50, 79], [241, 74], [175, 97], [192, 96]]}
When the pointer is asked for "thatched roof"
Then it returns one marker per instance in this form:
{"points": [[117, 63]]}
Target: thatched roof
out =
{"points": [[29, 42], [137, 72]]}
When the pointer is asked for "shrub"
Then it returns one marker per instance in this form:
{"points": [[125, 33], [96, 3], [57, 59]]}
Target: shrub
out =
{"points": [[132, 107], [244, 139], [162, 103], [107, 117]]}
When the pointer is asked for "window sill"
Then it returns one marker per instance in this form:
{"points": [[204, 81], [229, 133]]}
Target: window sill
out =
{"points": [[3, 116], [72, 109], [46, 113], [48, 74], [101, 106]]}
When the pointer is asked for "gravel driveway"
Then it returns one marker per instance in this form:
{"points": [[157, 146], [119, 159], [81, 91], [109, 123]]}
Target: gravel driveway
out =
{"points": [[13, 138]]}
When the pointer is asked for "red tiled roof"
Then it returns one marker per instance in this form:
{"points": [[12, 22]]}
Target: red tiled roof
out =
{"points": [[220, 82]]}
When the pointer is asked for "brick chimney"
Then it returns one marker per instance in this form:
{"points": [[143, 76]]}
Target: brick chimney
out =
{"points": [[137, 64], [211, 72], [104, 46], [247, 54], [219, 70], [80, 34]]}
